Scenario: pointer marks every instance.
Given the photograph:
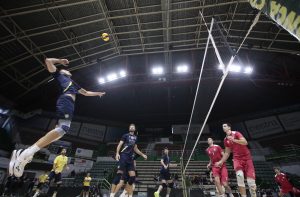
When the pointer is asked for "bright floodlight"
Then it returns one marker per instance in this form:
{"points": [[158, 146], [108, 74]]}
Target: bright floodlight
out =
{"points": [[182, 68], [157, 70], [235, 68], [123, 73], [112, 76], [248, 70], [101, 80]]}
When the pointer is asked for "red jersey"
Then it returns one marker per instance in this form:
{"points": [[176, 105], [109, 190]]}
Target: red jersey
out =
{"points": [[215, 153], [284, 183], [240, 152]]}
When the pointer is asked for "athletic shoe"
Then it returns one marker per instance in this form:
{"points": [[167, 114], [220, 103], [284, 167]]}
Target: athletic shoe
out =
{"points": [[156, 194], [12, 163], [20, 164]]}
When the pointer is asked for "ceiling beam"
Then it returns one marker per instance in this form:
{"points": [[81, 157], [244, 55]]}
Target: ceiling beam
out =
{"points": [[139, 25], [63, 20], [127, 16], [110, 25]]}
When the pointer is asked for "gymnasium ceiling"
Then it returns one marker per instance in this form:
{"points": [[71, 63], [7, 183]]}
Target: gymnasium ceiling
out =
{"points": [[143, 33]]}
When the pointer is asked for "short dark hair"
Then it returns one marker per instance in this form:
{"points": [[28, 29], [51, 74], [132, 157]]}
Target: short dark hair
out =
{"points": [[227, 123], [276, 168], [166, 148]]}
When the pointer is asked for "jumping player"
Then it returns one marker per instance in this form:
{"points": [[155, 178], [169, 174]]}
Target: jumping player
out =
{"points": [[220, 174], [165, 176], [126, 162], [64, 110], [242, 161]]}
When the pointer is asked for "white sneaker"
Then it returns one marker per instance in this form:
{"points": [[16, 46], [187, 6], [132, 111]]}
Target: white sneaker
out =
{"points": [[20, 164], [12, 163]]}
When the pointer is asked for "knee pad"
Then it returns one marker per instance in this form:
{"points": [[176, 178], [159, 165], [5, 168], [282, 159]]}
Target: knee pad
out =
{"points": [[63, 126], [240, 178], [171, 185], [117, 179], [252, 185], [164, 185], [131, 180]]}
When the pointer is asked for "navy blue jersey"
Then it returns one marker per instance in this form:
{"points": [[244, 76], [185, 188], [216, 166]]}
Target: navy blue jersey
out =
{"points": [[68, 86], [129, 143], [166, 160]]}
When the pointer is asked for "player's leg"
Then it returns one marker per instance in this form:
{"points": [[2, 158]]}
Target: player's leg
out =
{"points": [[115, 182], [64, 110], [250, 174], [239, 168], [170, 187], [58, 182], [224, 180], [120, 184], [216, 172], [117, 179], [163, 184], [131, 181]]}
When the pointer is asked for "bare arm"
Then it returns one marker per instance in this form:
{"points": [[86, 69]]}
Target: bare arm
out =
{"points": [[241, 141], [226, 154], [50, 63], [118, 150], [119, 146], [89, 93], [137, 150], [209, 164]]}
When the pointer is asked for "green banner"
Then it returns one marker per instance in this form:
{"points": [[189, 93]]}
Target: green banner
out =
{"points": [[284, 12]]}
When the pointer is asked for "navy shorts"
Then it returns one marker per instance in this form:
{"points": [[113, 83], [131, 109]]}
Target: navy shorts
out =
{"points": [[165, 174], [65, 107], [56, 177], [126, 164]]}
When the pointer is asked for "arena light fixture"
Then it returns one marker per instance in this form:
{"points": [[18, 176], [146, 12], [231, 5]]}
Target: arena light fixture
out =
{"points": [[248, 70], [112, 77], [235, 68], [158, 70], [101, 80], [122, 73], [182, 68]]}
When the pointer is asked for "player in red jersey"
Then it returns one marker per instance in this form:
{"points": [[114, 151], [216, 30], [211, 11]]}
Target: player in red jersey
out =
{"points": [[285, 187], [242, 161], [215, 153]]}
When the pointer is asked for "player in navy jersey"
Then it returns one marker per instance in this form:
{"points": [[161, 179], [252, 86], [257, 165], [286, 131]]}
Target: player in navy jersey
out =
{"points": [[64, 111], [165, 176], [126, 148]]}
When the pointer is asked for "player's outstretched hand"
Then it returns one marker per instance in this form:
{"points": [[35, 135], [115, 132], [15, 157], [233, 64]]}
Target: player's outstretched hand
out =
{"points": [[101, 94], [64, 62]]}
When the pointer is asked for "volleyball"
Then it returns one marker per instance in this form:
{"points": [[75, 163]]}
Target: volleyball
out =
{"points": [[105, 37]]}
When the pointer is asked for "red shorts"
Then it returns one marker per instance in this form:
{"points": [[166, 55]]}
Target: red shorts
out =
{"points": [[246, 166], [221, 172]]}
